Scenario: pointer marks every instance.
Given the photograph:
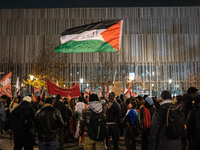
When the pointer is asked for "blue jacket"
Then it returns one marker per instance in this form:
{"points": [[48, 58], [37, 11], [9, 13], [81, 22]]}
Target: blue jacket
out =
{"points": [[132, 115]]}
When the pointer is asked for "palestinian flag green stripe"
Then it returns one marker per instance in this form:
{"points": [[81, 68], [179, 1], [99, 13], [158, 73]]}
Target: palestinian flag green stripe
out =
{"points": [[93, 26], [86, 46]]}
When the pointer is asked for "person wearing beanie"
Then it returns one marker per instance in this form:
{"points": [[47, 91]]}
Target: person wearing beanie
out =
{"points": [[90, 113], [21, 120], [47, 122], [146, 113]]}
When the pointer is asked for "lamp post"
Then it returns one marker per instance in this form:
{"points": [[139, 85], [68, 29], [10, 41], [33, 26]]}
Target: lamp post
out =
{"points": [[31, 78], [81, 81], [170, 81], [132, 77]]}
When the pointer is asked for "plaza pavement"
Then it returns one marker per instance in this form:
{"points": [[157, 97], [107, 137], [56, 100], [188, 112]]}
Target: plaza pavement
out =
{"points": [[6, 143]]}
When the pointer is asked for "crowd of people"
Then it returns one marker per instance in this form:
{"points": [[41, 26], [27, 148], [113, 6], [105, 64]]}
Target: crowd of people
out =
{"points": [[167, 123]]}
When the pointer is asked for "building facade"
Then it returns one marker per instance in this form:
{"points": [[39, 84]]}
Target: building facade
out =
{"points": [[160, 47]]}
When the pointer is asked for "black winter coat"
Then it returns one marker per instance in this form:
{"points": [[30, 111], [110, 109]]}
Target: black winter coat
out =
{"points": [[193, 127], [114, 113], [47, 122], [22, 117], [158, 137]]}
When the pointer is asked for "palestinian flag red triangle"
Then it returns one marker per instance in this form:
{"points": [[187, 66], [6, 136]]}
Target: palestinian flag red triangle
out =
{"points": [[104, 36]]}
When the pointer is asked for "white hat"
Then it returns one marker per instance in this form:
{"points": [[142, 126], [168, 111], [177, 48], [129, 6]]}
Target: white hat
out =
{"points": [[27, 98]]}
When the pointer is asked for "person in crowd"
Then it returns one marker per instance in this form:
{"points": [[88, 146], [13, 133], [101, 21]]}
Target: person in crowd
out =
{"points": [[14, 103], [2, 113], [113, 116], [58, 104], [68, 125], [21, 122], [156, 102], [73, 122], [123, 107], [47, 122], [94, 109], [80, 105], [178, 101], [159, 139], [187, 100], [131, 126], [193, 126], [146, 113], [7, 109]]}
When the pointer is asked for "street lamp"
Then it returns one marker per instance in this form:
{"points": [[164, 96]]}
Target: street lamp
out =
{"points": [[81, 81], [31, 77], [170, 81]]}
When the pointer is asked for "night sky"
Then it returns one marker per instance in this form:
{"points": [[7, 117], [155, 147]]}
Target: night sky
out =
{"points": [[7, 4]]}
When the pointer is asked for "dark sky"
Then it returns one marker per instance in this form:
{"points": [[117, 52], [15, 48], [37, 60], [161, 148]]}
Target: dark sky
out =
{"points": [[94, 3]]}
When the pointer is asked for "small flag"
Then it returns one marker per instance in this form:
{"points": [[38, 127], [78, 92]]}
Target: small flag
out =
{"points": [[87, 92], [19, 93], [5, 85], [17, 86], [101, 95], [128, 91], [69, 98], [37, 89], [41, 96], [104, 36], [33, 95]]}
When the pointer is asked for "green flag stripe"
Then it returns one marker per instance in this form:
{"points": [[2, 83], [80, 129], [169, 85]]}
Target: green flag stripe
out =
{"points": [[85, 47]]}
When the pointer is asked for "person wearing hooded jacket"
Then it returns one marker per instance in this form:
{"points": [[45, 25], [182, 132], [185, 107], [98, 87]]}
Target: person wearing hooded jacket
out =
{"points": [[93, 106], [158, 136], [146, 113], [21, 119]]}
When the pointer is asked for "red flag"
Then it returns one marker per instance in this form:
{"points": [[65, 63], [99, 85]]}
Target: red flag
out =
{"points": [[35, 99], [54, 90], [41, 96], [5, 85]]}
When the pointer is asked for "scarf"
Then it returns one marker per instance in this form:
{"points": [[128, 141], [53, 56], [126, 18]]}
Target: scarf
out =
{"points": [[147, 118], [95, 106]]}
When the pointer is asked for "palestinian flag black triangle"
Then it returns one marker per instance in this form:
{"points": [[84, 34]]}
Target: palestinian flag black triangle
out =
{"points": [[104, 36]]}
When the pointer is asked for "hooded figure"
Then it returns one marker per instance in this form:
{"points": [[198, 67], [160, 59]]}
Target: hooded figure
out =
{"points": [[146, 113], [21, 119]]}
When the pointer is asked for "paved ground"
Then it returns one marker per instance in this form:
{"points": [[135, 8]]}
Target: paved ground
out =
{"points": [[6, 143]]}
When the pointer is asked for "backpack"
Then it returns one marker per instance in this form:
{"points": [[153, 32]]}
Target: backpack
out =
{"points": [[175, 122], [97, 130]]}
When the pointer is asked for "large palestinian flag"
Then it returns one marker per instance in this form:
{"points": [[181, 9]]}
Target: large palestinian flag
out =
{"points": [[104, 36]]}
